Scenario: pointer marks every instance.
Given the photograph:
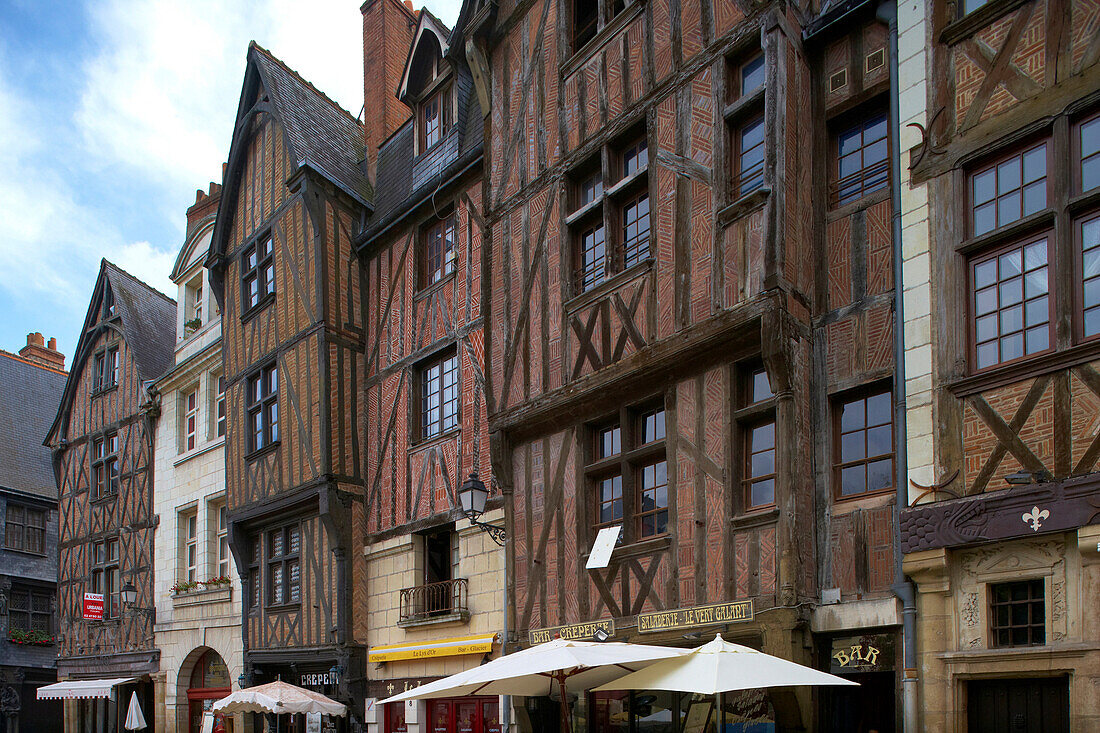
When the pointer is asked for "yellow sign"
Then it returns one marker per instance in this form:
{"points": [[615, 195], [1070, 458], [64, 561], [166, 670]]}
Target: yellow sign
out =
{"points": [[679, 618], [480, 644], [572, 631]]}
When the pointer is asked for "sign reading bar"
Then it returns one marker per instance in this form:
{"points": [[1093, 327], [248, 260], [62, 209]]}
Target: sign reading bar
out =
{"points": [[681, 618], [93, 606], [481, 644], [571, 631], [869, 653]]}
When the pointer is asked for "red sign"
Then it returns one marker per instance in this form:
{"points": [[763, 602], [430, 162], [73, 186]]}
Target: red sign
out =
{"points": [[93, 606]]}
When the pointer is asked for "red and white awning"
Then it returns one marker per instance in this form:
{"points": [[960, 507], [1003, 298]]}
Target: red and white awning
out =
{"points": [[81, 689]]}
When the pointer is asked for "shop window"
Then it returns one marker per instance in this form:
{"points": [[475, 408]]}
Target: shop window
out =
{"points": [[283, 566], [628, 473], [1011, 303], [1017, 613], [862, 158], [438, 407], [25, 529], [863, 436], [105, 576]]}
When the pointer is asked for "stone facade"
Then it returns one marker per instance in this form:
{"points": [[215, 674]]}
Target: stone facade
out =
{"points": [[190, 496]]}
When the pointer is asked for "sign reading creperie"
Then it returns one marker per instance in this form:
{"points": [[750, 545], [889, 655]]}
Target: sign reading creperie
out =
{"points": [[680, 618], [93, 606], [438, 648], [572, 631]]}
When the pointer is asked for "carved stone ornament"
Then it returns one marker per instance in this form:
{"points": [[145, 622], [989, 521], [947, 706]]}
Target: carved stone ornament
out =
{"points": [[970, 613], [9, 700]]}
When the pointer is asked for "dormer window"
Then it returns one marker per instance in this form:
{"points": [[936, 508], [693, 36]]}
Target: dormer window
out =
{"points": [[108, 303], [193, 299], [435, 117]]}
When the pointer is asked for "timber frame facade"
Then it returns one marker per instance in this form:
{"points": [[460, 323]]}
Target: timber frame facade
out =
{"points": [[102, 442], [285, 275], [1003, 447]]}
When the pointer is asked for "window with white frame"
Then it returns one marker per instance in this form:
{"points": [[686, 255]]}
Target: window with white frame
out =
{"points": [[189, 403], [218, 411], [220, 551], [188, 545]]}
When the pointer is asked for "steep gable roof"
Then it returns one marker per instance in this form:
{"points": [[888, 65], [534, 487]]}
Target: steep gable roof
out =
{"points": [[429, 30], [29, 396], [146, 319]]}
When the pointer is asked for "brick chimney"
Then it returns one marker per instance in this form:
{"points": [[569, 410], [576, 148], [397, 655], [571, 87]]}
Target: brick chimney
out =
{"points": [[388, 28], [206, 204], [38, 352]]}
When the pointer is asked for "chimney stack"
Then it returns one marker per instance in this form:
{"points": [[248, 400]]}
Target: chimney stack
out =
{"points": [[388, 28], [206, 204], [38, 352]]}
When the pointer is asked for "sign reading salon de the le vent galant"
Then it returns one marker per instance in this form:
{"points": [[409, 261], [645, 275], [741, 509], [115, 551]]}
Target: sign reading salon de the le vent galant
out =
{"points": [[680, 618]]}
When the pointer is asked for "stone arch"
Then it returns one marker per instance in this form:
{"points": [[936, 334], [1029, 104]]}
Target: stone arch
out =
{"points": [[183, 682]]}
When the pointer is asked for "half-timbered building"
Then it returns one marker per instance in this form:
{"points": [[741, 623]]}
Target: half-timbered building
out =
{"points": [[285, 275], [1002, 296], [689, 309], [434, 580], [102, 441]]}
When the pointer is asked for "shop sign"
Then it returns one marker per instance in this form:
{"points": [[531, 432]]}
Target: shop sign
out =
{"points": [[318, 679], [870, 653], [93, 606], [681, 618], [481, 644], [572, 631]]}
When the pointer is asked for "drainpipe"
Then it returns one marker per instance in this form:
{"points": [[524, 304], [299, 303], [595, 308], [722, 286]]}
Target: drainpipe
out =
{"points": [[903, 588]]}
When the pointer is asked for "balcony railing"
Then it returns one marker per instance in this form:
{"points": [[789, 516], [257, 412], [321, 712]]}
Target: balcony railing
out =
{"points": [[434, 601]]}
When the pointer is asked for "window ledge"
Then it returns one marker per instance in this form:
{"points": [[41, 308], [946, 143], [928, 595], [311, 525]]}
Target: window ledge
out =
{"points": [[968, 25], [451, 619], [588, 50], [430, 288], [1015, 653], [638, 547], [255, 310], [615, 281], [585, 210], [863, 202], [203, 597], [746, 204], [105, 499], [1025, 368], [627, 183], [283, 607], [23, 552], [104, 390], [1020, 227], [744, 105], [196, 452], [755, 518], [1084, 201], [270, 447], [418, 444]]}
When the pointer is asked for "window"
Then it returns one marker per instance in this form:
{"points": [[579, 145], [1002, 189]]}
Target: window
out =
{"points": [[624, 212], [188, 547], [105, 466], [29, 610], [1009, 190], [108, 303], [1089, 234], [25, 529], [756, 423], [105, 369], [1011, 303], [221, 541], [435, 118], [586, 19], [864, 444], [628, 473], [439, 395], [190, 404], [1089, 145], [254, 559], [1017, 613], [263, 408], [257, 273], [219, 406], [194, 299], [746, 125], [862, 159], [105, 577], [439, 244], [969, 6], [440, 547], [283, 569]]}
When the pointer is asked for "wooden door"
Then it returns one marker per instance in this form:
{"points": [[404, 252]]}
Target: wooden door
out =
{"points": [[1037, 705]]}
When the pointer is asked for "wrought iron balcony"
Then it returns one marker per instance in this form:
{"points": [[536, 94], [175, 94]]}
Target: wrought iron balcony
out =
{"points": [[434, 603]]}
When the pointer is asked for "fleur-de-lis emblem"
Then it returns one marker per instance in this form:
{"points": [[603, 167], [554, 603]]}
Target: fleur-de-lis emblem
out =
{"points": [[1035, 517]]}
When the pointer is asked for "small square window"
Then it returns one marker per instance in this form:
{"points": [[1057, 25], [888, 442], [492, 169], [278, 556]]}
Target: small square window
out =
{"points": [[862, 159], [1017, 613]]}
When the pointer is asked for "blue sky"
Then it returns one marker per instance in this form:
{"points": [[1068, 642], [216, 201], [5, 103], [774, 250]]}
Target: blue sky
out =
{"points": [[113, 112]]}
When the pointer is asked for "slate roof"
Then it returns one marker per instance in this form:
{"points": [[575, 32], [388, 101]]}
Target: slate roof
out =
{"points": [[148, 321], [322, 135], [29, 396]]}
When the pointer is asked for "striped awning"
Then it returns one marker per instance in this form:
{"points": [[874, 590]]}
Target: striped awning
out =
{"points": [[479, 644], [81, 689]]}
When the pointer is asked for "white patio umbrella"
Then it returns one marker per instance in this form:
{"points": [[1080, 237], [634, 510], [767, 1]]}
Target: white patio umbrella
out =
{"points": [[719, 666], [561, 665], [134, 719], [279, 698]]}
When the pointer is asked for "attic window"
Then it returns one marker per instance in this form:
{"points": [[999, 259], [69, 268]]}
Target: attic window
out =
{"points": [[108, 303], [435, 117]]}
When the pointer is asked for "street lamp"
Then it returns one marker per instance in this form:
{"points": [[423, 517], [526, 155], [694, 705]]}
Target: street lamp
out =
{"points": [[129, 598], [472, 496]]}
